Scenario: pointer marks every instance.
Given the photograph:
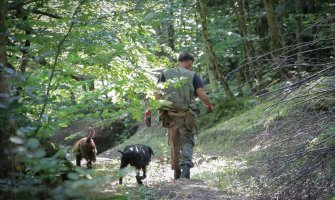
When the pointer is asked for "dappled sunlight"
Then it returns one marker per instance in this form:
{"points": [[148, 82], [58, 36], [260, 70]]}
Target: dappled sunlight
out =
{"points": [[215, 164], [160, 182]]}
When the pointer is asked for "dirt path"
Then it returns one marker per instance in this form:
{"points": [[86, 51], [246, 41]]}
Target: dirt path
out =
{"points": [[187, 189], [159, 183]]}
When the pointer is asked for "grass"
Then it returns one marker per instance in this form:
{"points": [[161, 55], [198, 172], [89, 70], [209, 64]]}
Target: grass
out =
{"points": [[229, 136], [154, 136]]}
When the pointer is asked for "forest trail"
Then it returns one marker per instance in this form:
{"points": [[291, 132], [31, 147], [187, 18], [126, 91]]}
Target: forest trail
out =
{"points": [[188, 189], [159, 183]]}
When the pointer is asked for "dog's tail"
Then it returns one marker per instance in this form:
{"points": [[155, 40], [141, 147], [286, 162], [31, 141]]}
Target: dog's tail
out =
{"points": [[121, 152]]}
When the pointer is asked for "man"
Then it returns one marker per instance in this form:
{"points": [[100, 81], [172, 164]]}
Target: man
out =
{"points": [[179, 117]]}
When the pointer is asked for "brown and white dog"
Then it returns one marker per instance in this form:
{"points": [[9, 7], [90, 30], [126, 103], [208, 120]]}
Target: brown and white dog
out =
{"points": [[85, 148]]}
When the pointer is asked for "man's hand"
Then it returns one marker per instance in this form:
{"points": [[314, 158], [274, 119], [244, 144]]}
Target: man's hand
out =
{"points": [[147, 118], [209, 108]]}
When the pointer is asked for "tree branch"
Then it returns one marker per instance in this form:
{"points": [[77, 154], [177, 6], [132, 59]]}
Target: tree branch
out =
{"points": [[39, 12]]}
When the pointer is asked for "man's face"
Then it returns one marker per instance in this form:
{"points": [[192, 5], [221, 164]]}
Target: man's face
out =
{"points": [[187, 64]]}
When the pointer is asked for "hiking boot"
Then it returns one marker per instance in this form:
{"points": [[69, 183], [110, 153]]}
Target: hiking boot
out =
{"points": [[177, 173], [186, 172]]}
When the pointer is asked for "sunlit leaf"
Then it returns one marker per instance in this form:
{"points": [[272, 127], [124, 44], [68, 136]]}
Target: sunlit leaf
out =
{"points": [[16, 140]]}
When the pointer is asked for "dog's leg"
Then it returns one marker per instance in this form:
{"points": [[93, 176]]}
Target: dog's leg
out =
{"points": [[144, 169], [78, 160], [138, 178], [121, 173], [89, 164]]}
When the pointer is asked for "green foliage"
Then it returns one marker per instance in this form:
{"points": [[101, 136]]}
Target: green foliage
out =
{"points": [[99, 60], [117, 62]]}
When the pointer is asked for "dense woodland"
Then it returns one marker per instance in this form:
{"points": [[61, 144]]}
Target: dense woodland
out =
{"points": [[64, 61]]}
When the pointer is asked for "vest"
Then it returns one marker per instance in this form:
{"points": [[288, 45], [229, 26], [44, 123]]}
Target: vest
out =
{"points": [[180, 91]]}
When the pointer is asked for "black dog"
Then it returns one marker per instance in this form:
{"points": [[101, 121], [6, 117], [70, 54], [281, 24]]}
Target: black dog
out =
{"points": [[138, 156]]}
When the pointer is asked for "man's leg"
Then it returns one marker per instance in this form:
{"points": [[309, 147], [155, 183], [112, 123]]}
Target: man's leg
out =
{"points": [[174, 141], [187, 143]]}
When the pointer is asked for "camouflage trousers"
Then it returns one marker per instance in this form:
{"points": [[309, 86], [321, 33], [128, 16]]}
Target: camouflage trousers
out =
{"points": [[181, 141]]}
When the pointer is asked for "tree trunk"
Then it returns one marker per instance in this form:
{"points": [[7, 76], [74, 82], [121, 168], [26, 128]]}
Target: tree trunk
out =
{"points": [[332, 10], [7, 126], [25, 50], [3, 38], [247, 46], [170, 25], [239, 83], [276, 38], [212, 61], [275, 35], [161, 41], [212, 80], [298, 25]]}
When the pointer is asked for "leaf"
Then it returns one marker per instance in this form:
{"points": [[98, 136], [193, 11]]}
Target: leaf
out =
{"points": [[64, 93], [33, 143], [40, 153], [16, 140], [27, 129]]}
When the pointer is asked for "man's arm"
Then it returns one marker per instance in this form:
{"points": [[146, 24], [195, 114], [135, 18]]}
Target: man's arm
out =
{"points": [[200, 92], [204, 98]]}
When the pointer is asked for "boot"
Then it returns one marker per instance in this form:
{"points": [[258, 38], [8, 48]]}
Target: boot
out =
{"points": [[186, 171], [177, 173]]}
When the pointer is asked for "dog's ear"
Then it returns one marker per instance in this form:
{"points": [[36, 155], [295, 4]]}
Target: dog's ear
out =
{"points": [[151, 151]]}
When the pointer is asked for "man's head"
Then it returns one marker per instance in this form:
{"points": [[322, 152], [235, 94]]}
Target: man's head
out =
{"points": [[186, 60]]}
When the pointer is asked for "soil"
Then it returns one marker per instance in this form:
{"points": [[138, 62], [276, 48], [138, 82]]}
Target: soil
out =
{"points": [[160, 184]]}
